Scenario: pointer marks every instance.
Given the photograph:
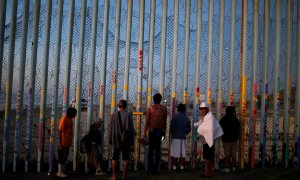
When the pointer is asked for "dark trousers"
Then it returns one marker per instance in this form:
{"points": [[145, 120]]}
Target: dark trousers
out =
{"points": [[154, 147], [63, 154]]}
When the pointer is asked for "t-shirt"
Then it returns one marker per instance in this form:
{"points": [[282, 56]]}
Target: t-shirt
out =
{"points": [[66, 127], [156, 117]]}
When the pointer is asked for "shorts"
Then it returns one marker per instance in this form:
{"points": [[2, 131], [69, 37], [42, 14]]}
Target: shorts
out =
{"points": [[178, 148], [125, 153], [230, 149], [208, 152]]}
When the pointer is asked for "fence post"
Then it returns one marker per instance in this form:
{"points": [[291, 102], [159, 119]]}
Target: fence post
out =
{"points": [[174, 71], [297, 104], [92, 66], [210, 52], [41, 142], [220, 75], [264, 102], [287, 89], [68, 55], [31, 90], [196, 101], [253, 107], [186, 49], [232, 53], [56, 84], [116, 57], [8, 83], [220, 59], [243, 98], [151, 51], [140, 80], [127, 50], [2, 30], [103, 65], [163, 48], [20, 93], [79, 82], [276, 94]]}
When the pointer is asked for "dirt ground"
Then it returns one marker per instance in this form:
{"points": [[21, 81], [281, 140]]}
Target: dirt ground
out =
{"points": [[260, 173]]}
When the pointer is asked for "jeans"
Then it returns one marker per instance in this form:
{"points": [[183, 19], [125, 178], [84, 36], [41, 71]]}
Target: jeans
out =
{"points": [[154, 149]]}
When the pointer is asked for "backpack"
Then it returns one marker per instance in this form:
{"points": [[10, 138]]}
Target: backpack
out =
{"points": [[85, 144], [157, 112], [126, 136]]}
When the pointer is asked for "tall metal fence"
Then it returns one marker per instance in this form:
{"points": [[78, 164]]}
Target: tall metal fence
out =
{"points": [[133, 75]]}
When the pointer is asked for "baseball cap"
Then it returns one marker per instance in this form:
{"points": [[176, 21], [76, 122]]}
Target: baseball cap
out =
{"points": [[203, 105]]}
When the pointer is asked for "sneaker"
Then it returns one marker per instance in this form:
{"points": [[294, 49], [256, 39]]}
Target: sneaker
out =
{"points": [[225, 170], [174, 169], [87, 171], [233, 169], [99, 173], [61, 174], [181, 168]]}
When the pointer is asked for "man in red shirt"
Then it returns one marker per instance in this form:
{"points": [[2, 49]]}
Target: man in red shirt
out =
{"points": [[65, 134], [156, 123]]}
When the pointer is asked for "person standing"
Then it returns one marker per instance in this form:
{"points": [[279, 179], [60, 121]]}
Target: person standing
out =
{"points": [[231, 127], [209, 129], [156, 120], [65, 134], [93, 155], [180, 127], [120, 121]]}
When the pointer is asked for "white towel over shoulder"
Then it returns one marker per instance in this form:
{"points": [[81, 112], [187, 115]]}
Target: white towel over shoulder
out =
{"points": [[210, 129]]}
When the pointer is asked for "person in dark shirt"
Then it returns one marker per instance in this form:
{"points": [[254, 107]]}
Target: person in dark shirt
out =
{"points": [[180, 127], [231, 127], [156, 122], [92, 157]]}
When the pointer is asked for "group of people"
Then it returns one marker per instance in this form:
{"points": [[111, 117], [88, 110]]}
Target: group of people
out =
{"points": [[121, 127], [65, 134]]}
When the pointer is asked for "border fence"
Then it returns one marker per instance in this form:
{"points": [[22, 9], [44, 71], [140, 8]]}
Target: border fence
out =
{"points": [[56, 53]]}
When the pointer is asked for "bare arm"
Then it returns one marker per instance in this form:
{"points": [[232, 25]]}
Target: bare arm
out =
{"points": [[146, 127]]}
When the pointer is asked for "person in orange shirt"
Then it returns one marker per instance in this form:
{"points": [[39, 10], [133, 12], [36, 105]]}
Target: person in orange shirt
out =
{"points": [[65, 134]]}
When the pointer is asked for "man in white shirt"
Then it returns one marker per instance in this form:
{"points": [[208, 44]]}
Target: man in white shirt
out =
{"points": [[210, 129]]}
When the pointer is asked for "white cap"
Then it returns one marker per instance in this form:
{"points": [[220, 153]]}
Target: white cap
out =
{"points": [[203, 105]]}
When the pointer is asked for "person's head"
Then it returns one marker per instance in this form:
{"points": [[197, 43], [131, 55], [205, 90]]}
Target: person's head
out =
{"points": [[230, 111], [122, 104], [157, 98], [181, 108], [204, 108], [71, 112], [95, 126]]}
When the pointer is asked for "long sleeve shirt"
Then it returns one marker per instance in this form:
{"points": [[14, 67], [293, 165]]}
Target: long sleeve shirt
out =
{"points": [[180, 126]]}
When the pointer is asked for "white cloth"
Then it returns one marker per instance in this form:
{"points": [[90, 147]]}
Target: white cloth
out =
{"points": [[178, 148], [209, 128]]}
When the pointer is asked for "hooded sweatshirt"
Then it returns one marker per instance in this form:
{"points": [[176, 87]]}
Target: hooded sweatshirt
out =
{"points": [[230, 125]]}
